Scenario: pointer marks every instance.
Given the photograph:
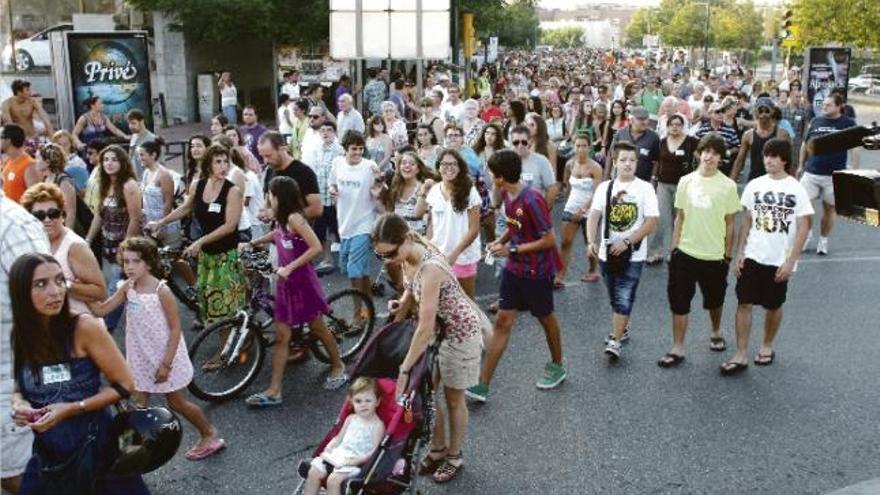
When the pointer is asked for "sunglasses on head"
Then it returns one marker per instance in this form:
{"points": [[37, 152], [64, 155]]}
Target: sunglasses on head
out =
{"points": [[388, 255], [52, 213]]}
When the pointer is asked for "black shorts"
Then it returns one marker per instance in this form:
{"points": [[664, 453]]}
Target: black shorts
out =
{"points": [[756, 286], [526, 294], [327, 225], [685, 272]]}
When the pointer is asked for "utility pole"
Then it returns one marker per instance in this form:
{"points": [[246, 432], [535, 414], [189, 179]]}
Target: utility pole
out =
{"points": [[455, 31]]}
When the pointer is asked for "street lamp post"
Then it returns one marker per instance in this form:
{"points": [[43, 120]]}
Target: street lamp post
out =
{"points": [[706, 41]]}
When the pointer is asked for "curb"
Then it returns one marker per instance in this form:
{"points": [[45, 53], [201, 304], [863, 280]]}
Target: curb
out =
{"points": [[870, 487]]}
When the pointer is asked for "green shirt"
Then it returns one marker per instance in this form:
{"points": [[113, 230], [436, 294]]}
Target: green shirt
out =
{"points": [[705, 202], [651, 100]]}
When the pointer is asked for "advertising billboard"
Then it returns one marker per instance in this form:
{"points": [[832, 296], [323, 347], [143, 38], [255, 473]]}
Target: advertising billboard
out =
{"points": [[113, 66], [826, 69]]}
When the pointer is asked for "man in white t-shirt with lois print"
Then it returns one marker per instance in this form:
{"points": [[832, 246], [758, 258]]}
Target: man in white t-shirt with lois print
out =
{"points": [[355, 183], [777, 218], [632, 216]]}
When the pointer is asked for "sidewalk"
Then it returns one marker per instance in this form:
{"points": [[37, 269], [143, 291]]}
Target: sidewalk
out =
{"points": [[870, 487]]}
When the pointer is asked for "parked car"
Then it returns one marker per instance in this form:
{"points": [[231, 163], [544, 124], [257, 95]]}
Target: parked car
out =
{"points": [[867, 81], [33, 52]]}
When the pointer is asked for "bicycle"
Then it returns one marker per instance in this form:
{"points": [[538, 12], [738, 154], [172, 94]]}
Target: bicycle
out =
{"points": [[185, 293], [228, 355]]}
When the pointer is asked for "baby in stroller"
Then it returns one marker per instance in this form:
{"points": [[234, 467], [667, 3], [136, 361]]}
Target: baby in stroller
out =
{"points": [[355, 443]]}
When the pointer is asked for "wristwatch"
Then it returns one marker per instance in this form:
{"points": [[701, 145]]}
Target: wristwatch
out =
{"points": [[513, 250], [628, 242]]}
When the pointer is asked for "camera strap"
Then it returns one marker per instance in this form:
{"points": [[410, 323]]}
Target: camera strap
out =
{"points": [[608, 211]]}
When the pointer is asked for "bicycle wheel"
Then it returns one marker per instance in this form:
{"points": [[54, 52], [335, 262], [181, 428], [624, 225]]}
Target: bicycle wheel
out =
{"points": [[226, 358], [340, 320]]}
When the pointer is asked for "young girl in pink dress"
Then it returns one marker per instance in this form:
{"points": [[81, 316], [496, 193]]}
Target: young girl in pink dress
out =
{"points": [[299, 299], [154, 346]]}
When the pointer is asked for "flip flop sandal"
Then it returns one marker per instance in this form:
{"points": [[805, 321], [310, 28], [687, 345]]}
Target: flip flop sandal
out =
{"points": [[429, 465], [447, 472], [197, 454], [670, 360], [717, 344], [765, 359], [334, 382], [590, 277], [558, 284], [262, 400], [730, 368]]}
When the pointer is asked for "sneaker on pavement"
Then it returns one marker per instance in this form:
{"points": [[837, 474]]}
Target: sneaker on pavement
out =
{"points": [[479, 392], [822, 246], [553, 375], [623, 338], [612, 348]]}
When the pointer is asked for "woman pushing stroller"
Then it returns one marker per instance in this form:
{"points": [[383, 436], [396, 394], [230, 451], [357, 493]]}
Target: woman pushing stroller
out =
{"points": [[446, 312]]}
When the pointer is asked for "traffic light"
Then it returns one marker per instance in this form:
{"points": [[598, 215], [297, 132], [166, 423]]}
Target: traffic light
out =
{"points": [[468, 35], [786, 24]]}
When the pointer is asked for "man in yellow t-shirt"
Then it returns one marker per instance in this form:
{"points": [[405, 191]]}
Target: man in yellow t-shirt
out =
{"points": [[706, 203]]}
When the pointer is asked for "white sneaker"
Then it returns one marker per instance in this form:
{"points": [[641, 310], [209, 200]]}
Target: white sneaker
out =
{"points": [[613, 349], [822, 246]]}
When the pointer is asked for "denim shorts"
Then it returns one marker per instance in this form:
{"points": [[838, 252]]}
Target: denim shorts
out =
{"points": [[622, 286], [354, 256]]}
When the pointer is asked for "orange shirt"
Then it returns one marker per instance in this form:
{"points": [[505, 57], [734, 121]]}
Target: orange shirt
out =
{"points": [[13, 176]]}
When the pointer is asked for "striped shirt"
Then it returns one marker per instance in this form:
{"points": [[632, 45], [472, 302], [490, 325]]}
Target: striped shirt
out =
{"points": [[20, 233], [731, 138], [528, 219]]}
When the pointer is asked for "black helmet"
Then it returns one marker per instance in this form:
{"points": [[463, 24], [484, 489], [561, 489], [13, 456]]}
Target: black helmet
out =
{"points": [[143, 439]]}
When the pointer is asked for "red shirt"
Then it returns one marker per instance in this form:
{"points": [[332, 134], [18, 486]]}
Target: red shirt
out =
{"points": [[491, 113], [528, 219]]}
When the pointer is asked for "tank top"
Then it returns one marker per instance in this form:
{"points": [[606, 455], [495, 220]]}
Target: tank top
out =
{"points": [[93, 130], [376, 149], [114, 224], [756, 153], [406, 209], [212, 215], [581, 192], [154, 201], [61, 254]]}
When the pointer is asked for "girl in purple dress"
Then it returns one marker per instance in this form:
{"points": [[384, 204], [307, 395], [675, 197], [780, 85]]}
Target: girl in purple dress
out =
{"points": [[299, 299]]}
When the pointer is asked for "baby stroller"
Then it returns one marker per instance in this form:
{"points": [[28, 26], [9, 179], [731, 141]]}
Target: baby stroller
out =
{"points": [[408, 421]]}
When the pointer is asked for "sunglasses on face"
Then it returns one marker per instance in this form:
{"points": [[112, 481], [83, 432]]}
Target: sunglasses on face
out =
{"points": [[520, 142], [763, 110], [52, 213], [388, 255]]}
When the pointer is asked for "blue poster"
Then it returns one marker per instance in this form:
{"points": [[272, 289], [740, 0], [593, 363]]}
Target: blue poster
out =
{"points": [[113, 66]]}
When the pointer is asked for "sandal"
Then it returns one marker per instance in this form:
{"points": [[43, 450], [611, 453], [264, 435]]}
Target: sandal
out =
{"points": [[765, 359], [199, 453], [262, 400], [213, 364], [448, 471], [670, 360], [559, 284], [731, 368], [590, 277], [429, 464], [334, 382], [717, 344]]}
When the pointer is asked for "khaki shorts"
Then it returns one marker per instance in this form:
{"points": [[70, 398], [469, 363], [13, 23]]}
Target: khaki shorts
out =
{"points": [[15, 441], [819, 186], [459, 363]]}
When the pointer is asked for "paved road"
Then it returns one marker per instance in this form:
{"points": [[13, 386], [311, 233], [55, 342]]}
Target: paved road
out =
{"points": [[806, 425]]}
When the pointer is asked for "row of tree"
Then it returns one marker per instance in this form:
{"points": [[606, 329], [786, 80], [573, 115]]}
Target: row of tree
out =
{"points": [[306, 22], [739, 25]]}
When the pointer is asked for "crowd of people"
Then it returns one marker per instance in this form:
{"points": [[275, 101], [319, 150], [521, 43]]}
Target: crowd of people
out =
{"points": [[643, 158]]}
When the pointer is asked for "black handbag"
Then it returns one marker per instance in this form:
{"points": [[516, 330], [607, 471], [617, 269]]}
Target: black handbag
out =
{"points": [[616, 264], [77, 475]]}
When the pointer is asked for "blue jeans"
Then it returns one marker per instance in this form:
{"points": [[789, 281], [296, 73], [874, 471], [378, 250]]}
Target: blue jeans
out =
{"points": [[622, 287], [113, 275], [231, 113]]}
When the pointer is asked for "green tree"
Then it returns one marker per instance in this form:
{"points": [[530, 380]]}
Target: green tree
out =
{"points": [[564, 37], [683, 23], [639, 25], [848, 22], [225, 21]]}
